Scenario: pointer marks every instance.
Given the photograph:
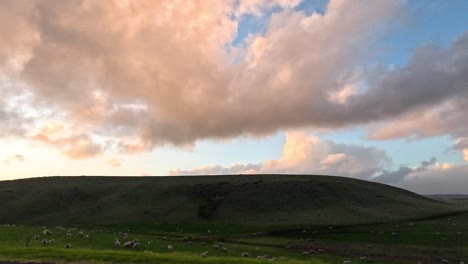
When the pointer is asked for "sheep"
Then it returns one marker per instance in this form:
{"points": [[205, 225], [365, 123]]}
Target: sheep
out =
{"points": [[224, 249], [44, 242], [68, 245], [216, 246], [346, 261], [150, 243], [170, 247], [117, 243], [394, 234], [320, 250], [128, 244], [136, 245], [204, 254], [445, 261], [46, 232], [69, 234], [245, 254], [86, 236], [305, 253], [81, 233], [51, 241], [363, 258]]}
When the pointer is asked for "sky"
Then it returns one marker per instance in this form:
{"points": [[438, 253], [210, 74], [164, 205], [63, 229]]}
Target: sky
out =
{"points": [[370, 89]]}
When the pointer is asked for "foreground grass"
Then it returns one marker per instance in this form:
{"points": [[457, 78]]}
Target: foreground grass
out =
{"points": [[112, 256]]}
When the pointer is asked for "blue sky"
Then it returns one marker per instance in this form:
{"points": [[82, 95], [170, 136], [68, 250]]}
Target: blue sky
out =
{"points": [[157, 97]]}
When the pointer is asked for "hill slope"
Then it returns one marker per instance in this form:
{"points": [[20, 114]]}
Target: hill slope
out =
{"points": [[251, 200]]}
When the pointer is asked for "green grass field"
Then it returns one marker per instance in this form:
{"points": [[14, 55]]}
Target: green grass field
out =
{"points": [[273, 218]]}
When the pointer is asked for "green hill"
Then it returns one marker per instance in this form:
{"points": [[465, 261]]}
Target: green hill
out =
{"points": [[247, 200]]}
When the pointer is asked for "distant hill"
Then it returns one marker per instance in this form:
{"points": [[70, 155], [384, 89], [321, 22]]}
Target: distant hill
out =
{"points": [[249, 200]]}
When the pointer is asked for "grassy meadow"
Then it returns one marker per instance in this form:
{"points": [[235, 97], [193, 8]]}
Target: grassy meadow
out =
{"points": [[329, 220]]}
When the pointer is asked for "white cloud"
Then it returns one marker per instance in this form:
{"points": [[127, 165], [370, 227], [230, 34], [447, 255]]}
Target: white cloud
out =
{"points": [[306, 154]]}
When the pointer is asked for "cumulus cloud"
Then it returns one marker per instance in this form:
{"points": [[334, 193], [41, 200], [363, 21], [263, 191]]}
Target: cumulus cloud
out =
{"points": [[400, 174], [133, 75], [439, 179], [307, 154], [218, 170]]}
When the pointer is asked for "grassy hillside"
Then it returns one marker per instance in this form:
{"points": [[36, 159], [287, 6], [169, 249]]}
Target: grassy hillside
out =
{"points": [[250, 200]]}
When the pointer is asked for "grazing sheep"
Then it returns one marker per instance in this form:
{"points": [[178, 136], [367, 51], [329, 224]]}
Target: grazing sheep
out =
{"points": [[224, 249], [86, 237], [204, 254], [150, 243], [68, 245], [245, 254], [136, 245], [51, 241], [128, 244], [170, 247], [363, 258], [305, 253], [44, 242], [46, 232], [346, 261], [320, 250], [80, 233], [394, 234], [216, 246], [117, 243], [69, 234]]}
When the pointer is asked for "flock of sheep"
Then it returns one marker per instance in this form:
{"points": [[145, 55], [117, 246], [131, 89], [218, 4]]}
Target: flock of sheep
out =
{"points": [[45, 238]]}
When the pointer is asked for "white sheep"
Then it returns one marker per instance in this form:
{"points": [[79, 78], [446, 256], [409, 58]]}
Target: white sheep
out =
{"points": [[245, 254], [215, 246], [136, 245], [150, 243], [128, 244], [44, 242], [170, 247], [46, 232], [117, 243], [51, 241], [346, 261], [68, 245], [204, 254]]}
